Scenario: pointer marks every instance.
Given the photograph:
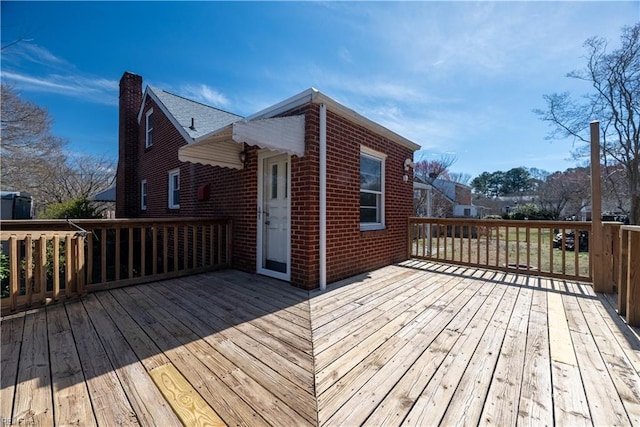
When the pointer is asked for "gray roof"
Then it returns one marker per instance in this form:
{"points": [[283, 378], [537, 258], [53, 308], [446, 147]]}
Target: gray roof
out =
{"points": [[206, 119]]}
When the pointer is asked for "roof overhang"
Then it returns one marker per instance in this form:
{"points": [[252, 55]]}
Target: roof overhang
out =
{"points": [[108, 195], [314, 96], [222, 148]]}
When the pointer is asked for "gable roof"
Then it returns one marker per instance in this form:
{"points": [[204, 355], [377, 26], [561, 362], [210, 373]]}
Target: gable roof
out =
{"points": [[208, 121], [184, 112]]}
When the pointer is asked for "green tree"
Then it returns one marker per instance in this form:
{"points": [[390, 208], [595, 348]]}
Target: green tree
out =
{"points": [[515, 181], [76, 208]]}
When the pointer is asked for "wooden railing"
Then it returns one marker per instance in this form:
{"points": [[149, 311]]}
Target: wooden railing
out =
{"points": [[52, 260], [628, 273], [550, 248]]}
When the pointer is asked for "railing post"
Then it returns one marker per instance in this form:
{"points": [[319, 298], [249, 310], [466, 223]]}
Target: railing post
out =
{"points": [[595, 241], [623, 271], [633, 279]]}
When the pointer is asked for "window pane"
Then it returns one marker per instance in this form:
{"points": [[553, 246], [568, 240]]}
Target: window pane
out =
{"points": [[369, 200], [370, 173], [274, 181], [369, 215]]}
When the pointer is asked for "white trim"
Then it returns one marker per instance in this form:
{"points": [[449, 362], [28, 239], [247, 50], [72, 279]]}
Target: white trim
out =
{"points": [[149, 92], [262, 155], [148, 131], [323, 197], [315, 96], [381, 157], [143, 195], [171, 174]]}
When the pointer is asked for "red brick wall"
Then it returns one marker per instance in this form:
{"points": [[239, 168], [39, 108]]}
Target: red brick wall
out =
{"points": [[126, 176], [463, 195], [349, 250], [233, 193]]}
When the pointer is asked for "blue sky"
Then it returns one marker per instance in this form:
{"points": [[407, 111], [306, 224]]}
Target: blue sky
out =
{"points": [[458, 78]]}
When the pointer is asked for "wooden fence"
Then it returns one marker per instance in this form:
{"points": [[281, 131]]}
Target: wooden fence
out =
{"points": [[552, 248], [48, 261]]}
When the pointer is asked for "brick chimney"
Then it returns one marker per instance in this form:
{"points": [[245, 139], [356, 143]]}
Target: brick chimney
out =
{"points": [[127, 185]]}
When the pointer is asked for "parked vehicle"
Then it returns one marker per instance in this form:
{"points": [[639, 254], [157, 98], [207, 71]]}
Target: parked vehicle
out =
{"points": [[569, 241]]}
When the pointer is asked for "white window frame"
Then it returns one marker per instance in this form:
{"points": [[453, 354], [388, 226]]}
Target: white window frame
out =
{"points": [[143, 195], [173, 173], [381, 157], [148, 134]]}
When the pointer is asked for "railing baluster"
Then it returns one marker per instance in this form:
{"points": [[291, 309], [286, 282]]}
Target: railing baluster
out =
{"points": [[165, 249], [185, 248], [28, 269], [56, 267], [154, 249], [68, 266], [194, 249], [130, 254], [14, 273], [41, 283], [118, 258], [143, 251], [89, 262], [176, 244], [81, 266], [103, 255]]}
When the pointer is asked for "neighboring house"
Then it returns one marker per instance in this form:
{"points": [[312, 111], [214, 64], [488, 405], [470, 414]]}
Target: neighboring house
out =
{"points": [[316, 192], [445, 199]]}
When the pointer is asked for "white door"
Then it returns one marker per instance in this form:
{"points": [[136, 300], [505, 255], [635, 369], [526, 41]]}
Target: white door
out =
{"points": [[273, 216]]}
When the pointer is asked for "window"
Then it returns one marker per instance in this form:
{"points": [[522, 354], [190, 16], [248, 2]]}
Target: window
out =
{"points": [[149, 129], [174, 189], [143, 194], [371, 189], [467, 211]]}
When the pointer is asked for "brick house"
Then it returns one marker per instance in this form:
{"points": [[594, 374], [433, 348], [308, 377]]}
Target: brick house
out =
{"points": [[449, 199], [316, 192]]}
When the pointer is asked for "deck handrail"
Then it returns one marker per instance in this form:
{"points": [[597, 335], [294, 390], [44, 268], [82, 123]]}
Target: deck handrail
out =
{"points": [[522, 246], [51, 260]]}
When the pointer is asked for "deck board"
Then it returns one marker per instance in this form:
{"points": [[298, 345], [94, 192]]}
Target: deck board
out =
{"points": [[417, 343]]}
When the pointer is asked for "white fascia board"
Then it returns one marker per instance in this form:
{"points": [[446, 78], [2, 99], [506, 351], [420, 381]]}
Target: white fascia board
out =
{"points": [[315, 96], [355, 117], [286, 105]]}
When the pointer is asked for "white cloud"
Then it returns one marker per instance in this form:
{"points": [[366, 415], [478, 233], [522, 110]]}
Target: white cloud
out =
{"points": [[205, 94], [98, 90], [58, 75]]}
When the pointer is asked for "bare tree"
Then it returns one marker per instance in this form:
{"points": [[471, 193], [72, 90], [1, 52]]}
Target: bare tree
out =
{"points": [[615, 102], [34, 160], [80, 177], [460, 178], [429, 170], [30, 154], [564, 193], [425, 172]]}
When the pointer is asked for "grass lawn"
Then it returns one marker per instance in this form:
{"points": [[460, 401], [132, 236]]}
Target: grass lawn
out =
{"points": [[507, 246]]}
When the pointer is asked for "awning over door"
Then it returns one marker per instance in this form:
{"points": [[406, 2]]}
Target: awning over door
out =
{"points": [[280, 134]]}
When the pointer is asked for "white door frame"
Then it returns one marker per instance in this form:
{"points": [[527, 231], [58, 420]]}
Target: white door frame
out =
{"points": [[262, 155]]}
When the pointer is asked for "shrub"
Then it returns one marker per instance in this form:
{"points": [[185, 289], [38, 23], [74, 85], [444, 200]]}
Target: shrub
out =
{"points": [[78, 208]]}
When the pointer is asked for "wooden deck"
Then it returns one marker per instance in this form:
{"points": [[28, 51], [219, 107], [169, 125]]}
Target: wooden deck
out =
{"points": [[412, 344]]}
